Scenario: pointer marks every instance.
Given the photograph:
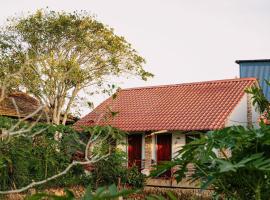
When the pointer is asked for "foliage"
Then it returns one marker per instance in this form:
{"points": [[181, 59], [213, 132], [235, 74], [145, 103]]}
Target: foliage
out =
{"points": [[259, 100], [135, 178], [102, 193], [23, 159], [107, 172], [111, 193], [60, 53], [114, 169], [243, 175], [169, 196], [155, 193], [35, 157]]}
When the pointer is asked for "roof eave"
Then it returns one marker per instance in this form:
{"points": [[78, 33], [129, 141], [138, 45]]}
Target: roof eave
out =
{"points": [[249, 61]]}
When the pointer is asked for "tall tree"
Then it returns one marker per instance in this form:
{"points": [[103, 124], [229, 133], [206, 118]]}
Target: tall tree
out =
{"points": [[65, 53]]}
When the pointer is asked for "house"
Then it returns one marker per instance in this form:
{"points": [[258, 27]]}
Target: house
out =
{"points": [[20, 105], [161, 119]]}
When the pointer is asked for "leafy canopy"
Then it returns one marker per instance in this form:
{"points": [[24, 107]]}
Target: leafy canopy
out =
{"points": [[244, 173], [62, 53]]}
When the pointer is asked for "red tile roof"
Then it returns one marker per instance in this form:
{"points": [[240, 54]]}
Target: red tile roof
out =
{"points": [[186, 107]]}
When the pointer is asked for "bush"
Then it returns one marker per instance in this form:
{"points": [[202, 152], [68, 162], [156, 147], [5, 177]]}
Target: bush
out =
{"points": [[135, 178], [242, 174], [23, 159], [114, 169]]}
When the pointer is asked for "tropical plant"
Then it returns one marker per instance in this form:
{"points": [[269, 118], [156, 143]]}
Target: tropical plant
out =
{"points": [[169, 196], [24, 159], [135, 178], [103, 174], [31, 157], [259, 100], [234, 161], [59, 54], [102, 193]]}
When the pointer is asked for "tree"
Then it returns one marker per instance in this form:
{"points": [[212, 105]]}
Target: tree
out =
{"points": [[29, 154], [63, 53]]}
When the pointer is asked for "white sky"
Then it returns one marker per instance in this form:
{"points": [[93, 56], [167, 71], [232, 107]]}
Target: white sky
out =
{"points": [[182, 40]]}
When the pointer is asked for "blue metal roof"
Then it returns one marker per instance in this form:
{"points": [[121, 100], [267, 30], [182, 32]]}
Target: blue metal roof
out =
{"points": [[259, 69]]}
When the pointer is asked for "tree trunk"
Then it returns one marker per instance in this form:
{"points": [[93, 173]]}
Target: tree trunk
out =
{"points": [[55, 118], [71, 100]]}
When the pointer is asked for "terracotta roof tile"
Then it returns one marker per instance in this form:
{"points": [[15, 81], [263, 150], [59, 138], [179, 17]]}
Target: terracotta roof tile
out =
{"points": [[186, 107]]}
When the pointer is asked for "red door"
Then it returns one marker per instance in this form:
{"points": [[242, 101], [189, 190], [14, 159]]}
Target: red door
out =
{"points": [[135, 150], [164, 151]]}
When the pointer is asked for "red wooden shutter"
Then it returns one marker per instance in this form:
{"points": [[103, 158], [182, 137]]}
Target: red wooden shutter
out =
{"points": [[164, 150], [135, 150]]}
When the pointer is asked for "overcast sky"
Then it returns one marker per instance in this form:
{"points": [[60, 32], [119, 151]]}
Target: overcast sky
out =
{"points": [[182, 40]]}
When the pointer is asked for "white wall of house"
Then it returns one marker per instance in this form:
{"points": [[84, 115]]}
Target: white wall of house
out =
{"points": [[143, 146], [239, 116], [255, 116], [178, 141]]}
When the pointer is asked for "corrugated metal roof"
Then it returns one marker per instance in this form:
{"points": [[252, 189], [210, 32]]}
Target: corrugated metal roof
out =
{"points": [[255, 60], [259, 69]]}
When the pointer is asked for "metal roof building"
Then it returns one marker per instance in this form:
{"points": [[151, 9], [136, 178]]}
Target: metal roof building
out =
{"points": [[259, 69]]}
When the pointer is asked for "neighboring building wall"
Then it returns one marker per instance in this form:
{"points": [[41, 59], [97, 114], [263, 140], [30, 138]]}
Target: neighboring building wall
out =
{"points": [[244, 113], [259, 70]]}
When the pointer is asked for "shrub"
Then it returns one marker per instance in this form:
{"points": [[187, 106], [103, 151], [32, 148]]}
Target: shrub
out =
{"points": [[114, 169], [23, 159], [135, 178], [245, 174]]}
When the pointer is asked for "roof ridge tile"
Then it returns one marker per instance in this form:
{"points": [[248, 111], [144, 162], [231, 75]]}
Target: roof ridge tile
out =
{"points": [[191, 83]]}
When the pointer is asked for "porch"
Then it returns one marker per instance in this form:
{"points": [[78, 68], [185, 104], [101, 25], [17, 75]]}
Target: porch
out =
{"points": [[148, 149]]}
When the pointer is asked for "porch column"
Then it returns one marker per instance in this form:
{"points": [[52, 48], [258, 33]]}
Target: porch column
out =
{"points": [[148, 154]]}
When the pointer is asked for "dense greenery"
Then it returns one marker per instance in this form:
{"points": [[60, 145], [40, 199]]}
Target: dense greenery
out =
{"points": [[114, 171], [102, 193], [259, 100], [58, 54], [23, 159], [244, 173]]}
